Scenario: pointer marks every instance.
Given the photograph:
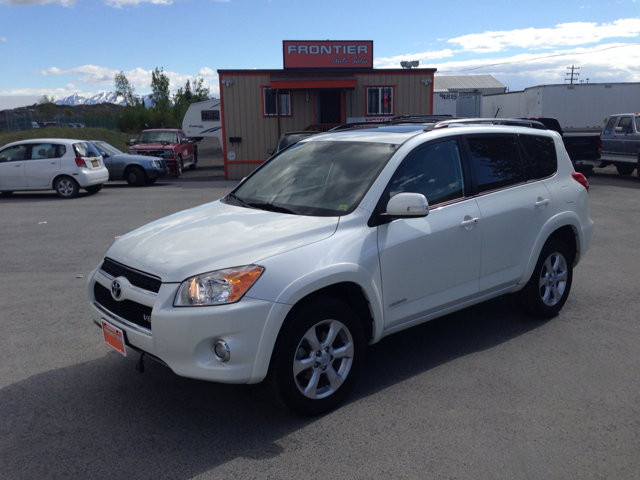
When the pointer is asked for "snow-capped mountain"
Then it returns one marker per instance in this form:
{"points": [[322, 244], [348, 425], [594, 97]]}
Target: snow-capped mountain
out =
{"points": [[104, 97]]}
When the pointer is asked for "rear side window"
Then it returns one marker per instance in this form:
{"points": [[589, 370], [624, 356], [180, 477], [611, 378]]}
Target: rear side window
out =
{"points": [[541, 152], [434, 171], [85, 149], [609, 128], [637, 124], [496, 161], [46, 150]]}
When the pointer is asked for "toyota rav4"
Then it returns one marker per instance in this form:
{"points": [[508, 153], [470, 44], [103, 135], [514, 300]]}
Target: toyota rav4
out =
{"points": [[339, 241]]}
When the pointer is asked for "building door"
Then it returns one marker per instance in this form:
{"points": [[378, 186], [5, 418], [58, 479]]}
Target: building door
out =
{"points": [[328, 106]]}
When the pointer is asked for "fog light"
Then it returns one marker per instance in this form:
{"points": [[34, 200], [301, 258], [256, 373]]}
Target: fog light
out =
{"points": [[221, 350]]}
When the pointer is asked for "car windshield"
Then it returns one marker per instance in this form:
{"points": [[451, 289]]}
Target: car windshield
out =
{"points": [[110, 149], [327, 178], [158, 137]]}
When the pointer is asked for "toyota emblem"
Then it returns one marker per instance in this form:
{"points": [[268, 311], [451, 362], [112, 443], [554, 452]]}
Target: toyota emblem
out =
{"points": [[116, 290]]}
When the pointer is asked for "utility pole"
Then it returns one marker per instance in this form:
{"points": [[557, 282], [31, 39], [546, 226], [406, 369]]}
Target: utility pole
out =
{"points": [[573, 75]]}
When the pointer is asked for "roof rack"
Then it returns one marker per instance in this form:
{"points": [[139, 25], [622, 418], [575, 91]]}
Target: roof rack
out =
{"points": [[517, 122], [397, 120]]}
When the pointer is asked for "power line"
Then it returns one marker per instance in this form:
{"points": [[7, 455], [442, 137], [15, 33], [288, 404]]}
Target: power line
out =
{"points": [[538, 58]]}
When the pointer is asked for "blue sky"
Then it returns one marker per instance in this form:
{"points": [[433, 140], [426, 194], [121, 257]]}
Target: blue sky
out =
{"points": [[61, 47]]}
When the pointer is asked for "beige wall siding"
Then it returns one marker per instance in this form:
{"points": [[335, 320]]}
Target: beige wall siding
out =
{"points": [[243, 116]]}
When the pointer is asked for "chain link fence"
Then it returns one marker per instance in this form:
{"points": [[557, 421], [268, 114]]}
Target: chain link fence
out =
{"points": [[12, 123]]}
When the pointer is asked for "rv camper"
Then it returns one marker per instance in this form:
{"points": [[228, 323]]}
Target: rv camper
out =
{"points": [[202, 120]]}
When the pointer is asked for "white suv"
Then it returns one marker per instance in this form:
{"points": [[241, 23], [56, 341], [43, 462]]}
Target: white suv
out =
{"points": [[60, 164], [339, 241]]}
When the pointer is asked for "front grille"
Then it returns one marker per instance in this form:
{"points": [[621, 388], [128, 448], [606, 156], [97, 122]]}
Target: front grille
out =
{"points": [[136, 278], [127, 309]]}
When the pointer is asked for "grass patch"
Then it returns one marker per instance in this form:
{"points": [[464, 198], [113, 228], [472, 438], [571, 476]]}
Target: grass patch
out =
{"points": [[117, 139]]}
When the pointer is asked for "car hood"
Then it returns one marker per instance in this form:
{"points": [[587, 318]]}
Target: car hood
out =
{"points": [[215, 236], [151, 146]]}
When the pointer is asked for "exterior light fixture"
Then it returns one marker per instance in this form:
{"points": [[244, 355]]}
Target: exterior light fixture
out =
{"points": [[227, 83], [426, 81], [410, 64]]}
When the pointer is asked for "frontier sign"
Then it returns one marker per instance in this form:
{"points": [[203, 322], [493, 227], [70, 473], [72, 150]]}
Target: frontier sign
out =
{"points": [[311, 54]]}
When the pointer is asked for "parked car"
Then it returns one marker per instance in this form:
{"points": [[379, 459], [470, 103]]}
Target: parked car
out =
{"points": [[61, 164], [288, 139], [171, 144], [621, 143], [137, 170], [339, 241], [35, 125]]}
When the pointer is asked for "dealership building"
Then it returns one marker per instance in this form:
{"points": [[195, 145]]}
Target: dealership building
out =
{"points": [[322, 84]]}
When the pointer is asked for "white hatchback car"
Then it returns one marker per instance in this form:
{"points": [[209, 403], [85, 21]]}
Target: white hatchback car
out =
{"points": [[339, 241], [52, 163]]}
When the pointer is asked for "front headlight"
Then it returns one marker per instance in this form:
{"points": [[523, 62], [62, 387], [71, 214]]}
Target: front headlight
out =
{"points": [[217, 288]]}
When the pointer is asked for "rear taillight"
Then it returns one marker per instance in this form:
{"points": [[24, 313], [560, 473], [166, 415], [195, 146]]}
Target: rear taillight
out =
{"points": [[599, 145], [80, 162], [581, 179]]}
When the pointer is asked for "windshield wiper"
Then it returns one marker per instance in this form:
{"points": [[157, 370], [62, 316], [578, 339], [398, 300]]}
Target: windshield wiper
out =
{"points": [[272, 207], [241, 202]]}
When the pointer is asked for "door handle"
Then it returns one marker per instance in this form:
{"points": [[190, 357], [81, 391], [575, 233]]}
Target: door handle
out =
{"points": [[542, 202], [469, 221]]}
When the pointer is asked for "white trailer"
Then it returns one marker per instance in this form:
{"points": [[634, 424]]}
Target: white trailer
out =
{"points": [[578, 107], [203, 120]]}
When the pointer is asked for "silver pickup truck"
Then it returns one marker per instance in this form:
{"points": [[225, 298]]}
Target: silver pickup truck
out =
{"points": [[621, 143]]}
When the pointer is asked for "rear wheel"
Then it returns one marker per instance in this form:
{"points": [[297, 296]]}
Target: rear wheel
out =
{"points": [[135, 176], [548, 288], [66, 187], [195, 161], [317, 358], [625, 168], [93, 189]]}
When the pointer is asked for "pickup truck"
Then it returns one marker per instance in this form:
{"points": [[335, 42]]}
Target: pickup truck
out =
{"points": [[170, 144], [583, 148], [621, 143]]}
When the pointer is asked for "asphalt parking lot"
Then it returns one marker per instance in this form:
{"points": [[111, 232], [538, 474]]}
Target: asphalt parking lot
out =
{"points": [[482, 393]]}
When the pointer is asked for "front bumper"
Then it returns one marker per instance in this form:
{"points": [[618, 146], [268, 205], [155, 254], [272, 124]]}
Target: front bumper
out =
{"points": [[183, 337]]}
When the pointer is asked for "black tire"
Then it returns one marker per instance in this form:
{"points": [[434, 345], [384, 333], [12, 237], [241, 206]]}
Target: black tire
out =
{"points": [[195, 161], [327, 370], [135, 176], [66, 187], [93, 189], [548, 288], [625, 168], [7, 193]]}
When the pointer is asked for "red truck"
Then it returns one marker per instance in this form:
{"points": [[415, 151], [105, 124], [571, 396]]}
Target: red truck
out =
{"points": [[170, 144]]}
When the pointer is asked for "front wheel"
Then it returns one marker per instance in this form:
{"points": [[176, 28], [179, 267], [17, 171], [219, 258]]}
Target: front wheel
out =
{"points": [[66, 187], [135, 177], [548, 288], [318, 357], [625, 168]]}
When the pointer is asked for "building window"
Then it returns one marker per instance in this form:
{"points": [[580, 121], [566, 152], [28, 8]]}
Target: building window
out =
{"points": [[379, 100], [269, 102], [210, 115]]}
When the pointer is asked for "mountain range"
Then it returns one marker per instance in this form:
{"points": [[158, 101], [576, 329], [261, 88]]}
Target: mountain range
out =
{"points": [[104, 97]]}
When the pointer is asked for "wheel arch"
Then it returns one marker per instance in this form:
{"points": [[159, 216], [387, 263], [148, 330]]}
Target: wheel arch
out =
{"points": [[59, 176], [564, 227]]}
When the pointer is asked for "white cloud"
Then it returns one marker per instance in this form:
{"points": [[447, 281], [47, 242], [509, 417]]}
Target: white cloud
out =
{"points": [[394, 62], [578, 33], [3, 39], [126, 3], [140, 78]]}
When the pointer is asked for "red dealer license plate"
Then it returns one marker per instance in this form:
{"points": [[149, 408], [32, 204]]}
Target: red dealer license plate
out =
{"points": [[114, 337]]}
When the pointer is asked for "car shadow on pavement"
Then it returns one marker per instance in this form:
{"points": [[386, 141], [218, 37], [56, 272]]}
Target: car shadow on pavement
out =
{"points": [[102, 419]]}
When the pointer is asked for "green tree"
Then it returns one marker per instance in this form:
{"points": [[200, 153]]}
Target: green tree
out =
{"points": [[160, 88], [124, 89], [47, 107], [200, 93]]}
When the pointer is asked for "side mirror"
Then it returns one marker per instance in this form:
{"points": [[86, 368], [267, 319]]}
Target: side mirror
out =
{"points": [[408, 205], [270, 151], [184, 140], [104, 154]]}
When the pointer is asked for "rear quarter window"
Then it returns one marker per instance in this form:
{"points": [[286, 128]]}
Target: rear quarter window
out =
{"points": [[541, 153], [609, 128]]}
